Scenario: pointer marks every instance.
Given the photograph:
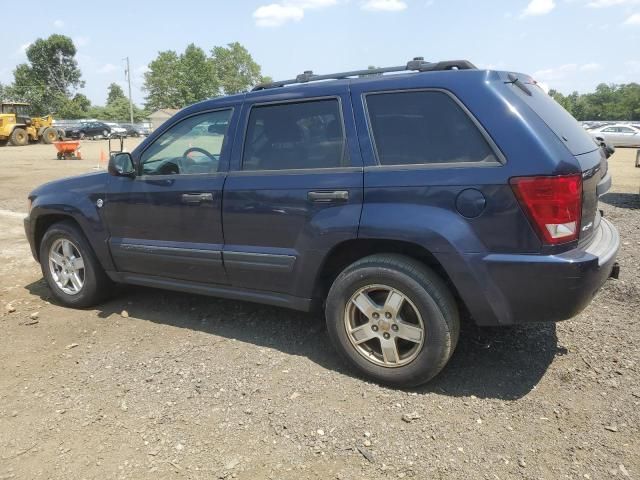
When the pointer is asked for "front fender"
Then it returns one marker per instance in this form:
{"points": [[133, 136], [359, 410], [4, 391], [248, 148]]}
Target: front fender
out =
{"points": [[75, 198]]}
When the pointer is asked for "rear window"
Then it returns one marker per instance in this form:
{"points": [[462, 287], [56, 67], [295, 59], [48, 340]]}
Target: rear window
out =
{"points": [[557, 119], [424, 127]]}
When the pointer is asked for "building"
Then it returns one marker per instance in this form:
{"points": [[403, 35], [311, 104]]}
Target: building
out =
{"points": [[158, 117]]}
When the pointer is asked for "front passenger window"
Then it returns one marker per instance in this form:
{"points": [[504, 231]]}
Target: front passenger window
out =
{"points": [[190, 147]]}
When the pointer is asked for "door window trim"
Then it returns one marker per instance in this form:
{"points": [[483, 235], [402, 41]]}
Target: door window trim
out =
{"points": [[297, 170], [501, 160], [141, 176]]}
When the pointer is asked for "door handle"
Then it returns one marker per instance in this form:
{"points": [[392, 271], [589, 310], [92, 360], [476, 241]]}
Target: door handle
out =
{"points": [[328, 196], [194, 198]]}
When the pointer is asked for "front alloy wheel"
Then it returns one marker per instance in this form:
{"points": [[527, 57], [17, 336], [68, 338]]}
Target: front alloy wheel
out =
{"points": [[70, 266], [67, 266]]}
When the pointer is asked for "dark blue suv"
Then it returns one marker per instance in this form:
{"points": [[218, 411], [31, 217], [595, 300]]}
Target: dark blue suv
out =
{"points": [[396, 199]]}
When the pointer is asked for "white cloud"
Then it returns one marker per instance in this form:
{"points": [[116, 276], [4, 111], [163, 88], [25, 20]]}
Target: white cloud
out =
{"points": [[277, 14], [538, 7], [633, 19], [108, 68], [58, 23], [384, 5], [610, 3], [590, 67], [564, 74]]}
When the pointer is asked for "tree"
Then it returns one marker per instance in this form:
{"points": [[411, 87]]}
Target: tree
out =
{"points": [[115, 93], [51, 75], [118, 111], [235, 68], [162, 82], [174, 81], [76, 107], [608, 102], [197, 77]]}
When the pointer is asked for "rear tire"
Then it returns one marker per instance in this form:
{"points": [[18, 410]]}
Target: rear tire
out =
{"points": [[412, 314], [19, 137], [49, 135], [70, 267]]}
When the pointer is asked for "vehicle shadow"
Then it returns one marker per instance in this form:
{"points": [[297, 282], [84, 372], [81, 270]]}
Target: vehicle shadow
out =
{"points": [[622, 200], [503, 363]]}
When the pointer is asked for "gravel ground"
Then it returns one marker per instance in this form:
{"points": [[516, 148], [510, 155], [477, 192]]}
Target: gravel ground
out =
{"points": [[158, 384]]}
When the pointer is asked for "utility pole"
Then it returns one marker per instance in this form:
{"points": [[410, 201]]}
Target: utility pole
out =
{"points": [[128, 73]]}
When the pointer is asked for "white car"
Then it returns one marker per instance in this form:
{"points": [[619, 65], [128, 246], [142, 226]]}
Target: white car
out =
{"points": [[618, 135], [117, 130]]}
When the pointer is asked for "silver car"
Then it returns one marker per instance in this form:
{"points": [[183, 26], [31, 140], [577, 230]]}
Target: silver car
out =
{"points": [[618, 135]]}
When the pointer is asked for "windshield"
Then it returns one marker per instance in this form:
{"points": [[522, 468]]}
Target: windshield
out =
{"points": [[206, 129]]}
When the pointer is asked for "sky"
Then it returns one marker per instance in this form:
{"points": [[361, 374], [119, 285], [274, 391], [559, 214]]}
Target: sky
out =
{"points": [[567, 44]]}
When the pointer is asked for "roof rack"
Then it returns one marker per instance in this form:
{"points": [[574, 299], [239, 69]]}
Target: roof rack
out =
{"points": [[418, 64]]}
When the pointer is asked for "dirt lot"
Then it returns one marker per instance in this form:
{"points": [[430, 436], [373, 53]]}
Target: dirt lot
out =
{"points": [[194, 387]]}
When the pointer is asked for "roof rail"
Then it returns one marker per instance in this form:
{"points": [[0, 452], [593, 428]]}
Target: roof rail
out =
{"points": [[418, 64]]}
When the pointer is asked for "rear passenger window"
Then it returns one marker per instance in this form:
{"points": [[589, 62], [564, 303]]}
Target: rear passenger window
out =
{"points": [[295, 135], [412, 128]]}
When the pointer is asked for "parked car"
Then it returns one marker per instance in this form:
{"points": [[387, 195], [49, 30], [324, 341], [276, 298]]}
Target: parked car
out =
{"points": [[135, 130], [394, 202], [117, 130], [618, 135], [89, 129]]}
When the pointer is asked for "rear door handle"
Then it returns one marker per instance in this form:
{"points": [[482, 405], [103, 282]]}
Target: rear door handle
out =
{"points": [[194, 198], [328, 196]]}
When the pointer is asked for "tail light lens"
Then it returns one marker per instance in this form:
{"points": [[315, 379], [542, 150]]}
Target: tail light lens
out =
{"points": [[553, 204]]}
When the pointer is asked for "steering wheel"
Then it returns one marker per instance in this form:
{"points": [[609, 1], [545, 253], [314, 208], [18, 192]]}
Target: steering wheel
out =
{"points": [[199, 150]]}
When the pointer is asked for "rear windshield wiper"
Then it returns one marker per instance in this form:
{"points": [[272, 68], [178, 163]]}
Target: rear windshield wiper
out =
{"points": [[516, 81]]}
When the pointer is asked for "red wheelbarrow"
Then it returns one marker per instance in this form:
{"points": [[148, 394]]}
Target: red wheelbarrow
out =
{"points": [[68, 149]]}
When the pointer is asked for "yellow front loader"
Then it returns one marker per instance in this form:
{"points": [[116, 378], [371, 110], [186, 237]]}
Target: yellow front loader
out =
{"points": [[18, 127]]}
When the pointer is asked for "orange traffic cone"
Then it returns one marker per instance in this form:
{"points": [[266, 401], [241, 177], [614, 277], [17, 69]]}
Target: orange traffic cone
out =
{"points": [[103, 157]]}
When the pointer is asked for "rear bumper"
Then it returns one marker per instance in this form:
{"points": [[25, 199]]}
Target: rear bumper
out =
{"points": [[513, 289]]}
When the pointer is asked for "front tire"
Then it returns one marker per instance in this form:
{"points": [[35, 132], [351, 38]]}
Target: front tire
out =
{"points": [[70, 267], [19, 137], [49, 135], [393, 319]]}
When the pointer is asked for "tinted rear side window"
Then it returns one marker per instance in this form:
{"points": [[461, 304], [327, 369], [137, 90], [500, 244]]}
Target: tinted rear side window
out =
{"points": [[295, 135], [425, 127]]}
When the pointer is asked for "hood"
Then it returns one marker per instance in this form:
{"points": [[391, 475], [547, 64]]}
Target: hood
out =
{"points": [[86, 183]]}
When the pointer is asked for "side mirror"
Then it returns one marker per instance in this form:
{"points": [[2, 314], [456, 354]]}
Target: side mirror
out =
{"points": [[121, 165]]}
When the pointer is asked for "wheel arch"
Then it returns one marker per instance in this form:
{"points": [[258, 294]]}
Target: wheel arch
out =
{"points": [[345, 253], [44, 222]]}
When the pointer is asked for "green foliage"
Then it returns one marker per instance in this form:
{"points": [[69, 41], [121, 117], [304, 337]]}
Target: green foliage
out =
{"points": [[162, 81], [174, 81], [608, 102], [50, 77], [118, 111], [197, 77], [76, 107], [235, 68], [115, 93]]}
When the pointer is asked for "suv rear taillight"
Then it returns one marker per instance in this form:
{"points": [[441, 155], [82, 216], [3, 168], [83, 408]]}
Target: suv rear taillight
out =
{"points": [[553, 204]]}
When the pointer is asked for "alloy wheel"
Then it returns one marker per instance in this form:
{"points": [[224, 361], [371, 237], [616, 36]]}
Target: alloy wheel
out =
{"points": [[384, 326], [67, 266]]}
